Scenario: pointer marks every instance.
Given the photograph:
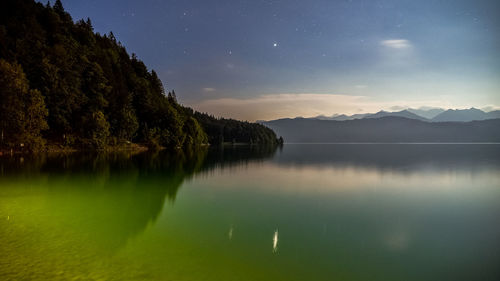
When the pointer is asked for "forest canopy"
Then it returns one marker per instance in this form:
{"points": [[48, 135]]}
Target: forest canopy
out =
{"points": [[64, 84]]}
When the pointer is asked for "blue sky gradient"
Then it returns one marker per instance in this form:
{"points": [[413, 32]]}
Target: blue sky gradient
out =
{"points": [[263, 59]]}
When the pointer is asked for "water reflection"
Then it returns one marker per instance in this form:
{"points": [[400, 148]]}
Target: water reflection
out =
{"points": [[275, 241], [349, 212], [230, 233], [396, 157], [108, 198]]}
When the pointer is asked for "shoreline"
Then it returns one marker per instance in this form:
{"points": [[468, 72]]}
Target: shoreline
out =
{"points": [[132, 147], [49, 149]]}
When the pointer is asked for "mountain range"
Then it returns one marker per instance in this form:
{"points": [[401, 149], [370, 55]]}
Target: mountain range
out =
{"points": [[428, 115], [388, 129]]}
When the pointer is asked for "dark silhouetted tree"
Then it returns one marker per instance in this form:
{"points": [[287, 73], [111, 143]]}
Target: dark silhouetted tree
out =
{"points": [[22, 111]]}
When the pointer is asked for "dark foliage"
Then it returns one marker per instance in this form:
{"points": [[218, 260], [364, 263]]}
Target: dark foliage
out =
{"points": [[222, 130], [95, 93]]}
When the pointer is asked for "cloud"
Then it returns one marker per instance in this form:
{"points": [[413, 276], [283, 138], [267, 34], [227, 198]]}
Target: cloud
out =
{"points": [[396, 43], [398, 53], [397, 108], [274, 106], [428, 107], [490, 107], [208, 89]]}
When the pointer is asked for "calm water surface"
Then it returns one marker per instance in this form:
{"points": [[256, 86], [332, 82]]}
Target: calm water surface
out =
{"points": [[303, 212]]}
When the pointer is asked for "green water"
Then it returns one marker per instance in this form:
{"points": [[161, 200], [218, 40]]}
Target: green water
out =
{"points": [[303, 212]]}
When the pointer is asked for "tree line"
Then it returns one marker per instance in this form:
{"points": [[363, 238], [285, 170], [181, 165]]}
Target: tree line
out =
{"points": [[63, 84]]}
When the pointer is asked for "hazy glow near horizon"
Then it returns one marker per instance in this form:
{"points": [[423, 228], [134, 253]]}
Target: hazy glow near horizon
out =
{"points": [[269, 59], [269, 107]]}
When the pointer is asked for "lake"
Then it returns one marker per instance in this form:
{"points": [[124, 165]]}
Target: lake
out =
{"points": [[300, 212]]}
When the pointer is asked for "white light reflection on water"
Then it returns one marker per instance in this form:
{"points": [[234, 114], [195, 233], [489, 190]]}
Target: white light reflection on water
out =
{"points": [[275, 241], [230, 234]]}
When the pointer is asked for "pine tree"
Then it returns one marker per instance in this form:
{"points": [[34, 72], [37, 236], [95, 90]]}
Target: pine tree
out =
{"points": [[22, 111], [89, 24], [58, 7]]}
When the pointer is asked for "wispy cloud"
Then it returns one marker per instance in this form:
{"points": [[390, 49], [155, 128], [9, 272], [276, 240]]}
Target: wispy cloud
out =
{"points": [[397, 108], [490, 107], [208, 89], [396, 43], [398, 53]]}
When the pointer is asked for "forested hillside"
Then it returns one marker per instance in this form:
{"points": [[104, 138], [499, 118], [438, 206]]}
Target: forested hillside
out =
{"points": [[221, 130], [63, 84]]}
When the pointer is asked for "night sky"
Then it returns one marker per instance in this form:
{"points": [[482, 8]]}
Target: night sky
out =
{"points": [[256, 59]]}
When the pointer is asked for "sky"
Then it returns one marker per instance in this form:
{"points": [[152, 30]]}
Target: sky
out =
{"points": [[264, 59]]}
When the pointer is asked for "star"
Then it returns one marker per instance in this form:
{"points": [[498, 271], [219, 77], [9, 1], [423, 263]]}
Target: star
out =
{"points": [[275, 45]]}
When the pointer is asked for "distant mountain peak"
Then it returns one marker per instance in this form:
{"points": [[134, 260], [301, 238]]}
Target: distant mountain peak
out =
{"points": [[424, 113], [402, 113], [385, 129], [462, 115]]}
